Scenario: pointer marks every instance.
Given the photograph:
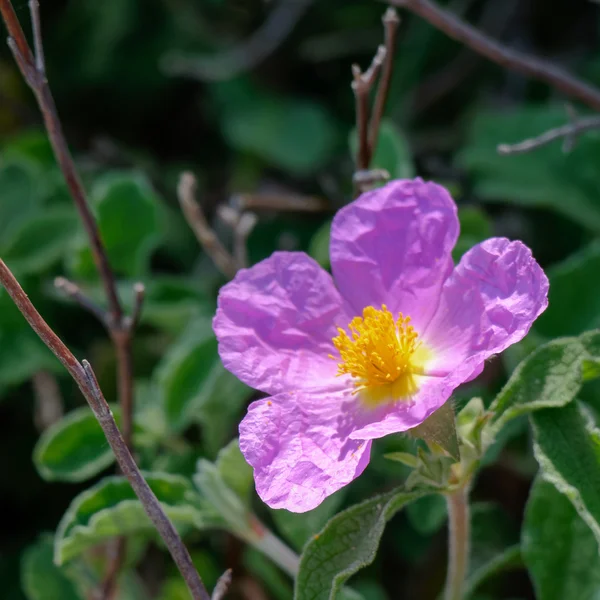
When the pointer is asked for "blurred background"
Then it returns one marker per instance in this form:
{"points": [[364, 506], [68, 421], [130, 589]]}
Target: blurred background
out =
{"points": [[149, 88]]}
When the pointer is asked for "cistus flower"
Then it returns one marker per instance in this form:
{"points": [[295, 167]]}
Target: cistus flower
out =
{"points": [[376, 348]]}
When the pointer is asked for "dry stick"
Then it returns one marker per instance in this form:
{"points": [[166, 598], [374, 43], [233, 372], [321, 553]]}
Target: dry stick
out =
{"points": [[391, 21], [568, 132], [33, 69], [186, 192], [85, 378], [361, 86], [536, 68]]}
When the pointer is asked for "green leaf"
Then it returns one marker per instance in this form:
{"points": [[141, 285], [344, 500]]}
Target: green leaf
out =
{"points": [[427, 514], [543, 178], [347, 543], [268, 574], [40, 241], [319, 245], [298, 528], [41, 579], [235, 471], [111, 508], [193, 382], [392, 152], [475, 227], [550, 376], [573, 283], [567, 447], [20, 195], [127, 210], [293, 134], [74, 448], [559, 549]]}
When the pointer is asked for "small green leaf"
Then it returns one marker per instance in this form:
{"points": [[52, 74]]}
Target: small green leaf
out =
{"points": [[439, 430], [235, 471], [193, 382], [567, 447], [550, 376], [427, 514], [74, 448], [573, 283], [40, 241], [20, 195], [41, 579], [475, 227], [291, 133], [128, 217], [392, 152], [111, 508], [319, 245], [410, 460], [559, 549], [347, 543]]}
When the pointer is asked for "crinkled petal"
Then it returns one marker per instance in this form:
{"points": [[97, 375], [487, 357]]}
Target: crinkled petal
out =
{"points": [[393, 246], [275, 323], [489, 302], [298, 444]]}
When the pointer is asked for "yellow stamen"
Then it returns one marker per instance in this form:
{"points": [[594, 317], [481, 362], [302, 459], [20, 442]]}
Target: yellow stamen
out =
{"points": [[380, 351]]}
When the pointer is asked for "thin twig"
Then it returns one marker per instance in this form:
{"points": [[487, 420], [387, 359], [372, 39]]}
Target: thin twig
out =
{"points": [[534, 67], [74, 291], [186, 192], [568, 132], [279, 202], [242, 225], [391, 22], [85, 378], [139, 294], [222, 586], [361, 98], [33, 68]]}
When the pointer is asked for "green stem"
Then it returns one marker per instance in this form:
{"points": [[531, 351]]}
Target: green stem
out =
{"points": [[458, 543]]}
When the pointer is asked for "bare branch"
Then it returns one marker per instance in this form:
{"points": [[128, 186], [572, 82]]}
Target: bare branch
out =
{"points": [[534, 67], [85, 378], [568, 133], [74, 291], [139, 295], [391, 22], [38, 46], [186, 191], [279, 201]]}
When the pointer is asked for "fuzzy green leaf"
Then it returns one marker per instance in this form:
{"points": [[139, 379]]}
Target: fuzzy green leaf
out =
{"points": [[127, 210], [567, 447], [40, 241], [111, 508], [74, 448], [347, 543], [559, 549], [550, 376]]}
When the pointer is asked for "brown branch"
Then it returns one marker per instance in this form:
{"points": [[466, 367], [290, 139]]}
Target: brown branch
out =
{"points": [[534, 67], [186, 192], [85, 378], [222, 586], [74, 291], [33, 68], [279, 202], [242, 225], [391, 22], [568, 132], [361, 86]]}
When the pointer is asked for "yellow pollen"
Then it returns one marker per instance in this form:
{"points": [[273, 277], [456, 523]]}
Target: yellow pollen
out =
{"points": [[379, 349]]}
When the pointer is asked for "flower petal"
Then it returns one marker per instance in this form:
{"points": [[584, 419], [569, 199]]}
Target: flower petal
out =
{"points": [[275, 323], [393, 246], [488, 303], [298, 445]]}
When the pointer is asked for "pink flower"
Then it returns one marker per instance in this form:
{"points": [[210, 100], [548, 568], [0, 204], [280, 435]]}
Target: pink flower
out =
{"points": [[377, 351]]}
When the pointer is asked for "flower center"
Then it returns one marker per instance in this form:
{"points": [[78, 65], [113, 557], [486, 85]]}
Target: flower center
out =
{"points": [[380, 350]]}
